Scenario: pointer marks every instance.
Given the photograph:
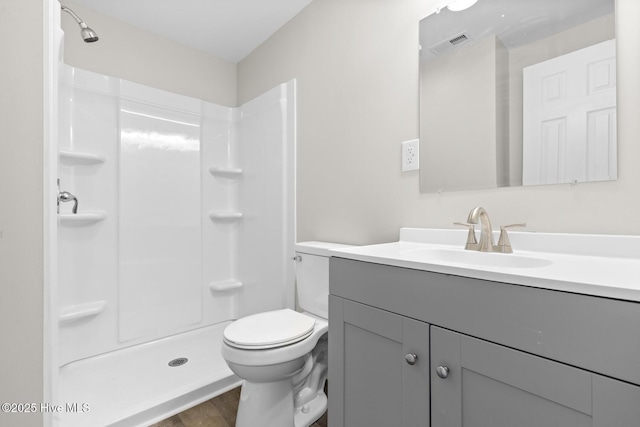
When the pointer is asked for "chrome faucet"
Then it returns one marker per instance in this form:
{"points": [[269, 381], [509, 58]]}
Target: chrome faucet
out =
{"points": [[65, 196], [486, 237]]}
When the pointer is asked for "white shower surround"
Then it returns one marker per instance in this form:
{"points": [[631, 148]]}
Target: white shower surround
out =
{"points": [[185, 222]]}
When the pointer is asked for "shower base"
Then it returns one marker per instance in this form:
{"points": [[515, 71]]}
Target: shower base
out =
{"points": [[137, 386]]}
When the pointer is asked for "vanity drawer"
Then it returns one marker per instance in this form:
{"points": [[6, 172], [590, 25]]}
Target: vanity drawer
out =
{"points": [[598, 334]]}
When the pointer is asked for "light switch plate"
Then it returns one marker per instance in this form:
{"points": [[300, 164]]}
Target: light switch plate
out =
{"points": [[411, 155]]}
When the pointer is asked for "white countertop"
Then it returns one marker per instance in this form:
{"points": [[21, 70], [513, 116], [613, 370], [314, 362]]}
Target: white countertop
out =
{"points": [[599, 265]]}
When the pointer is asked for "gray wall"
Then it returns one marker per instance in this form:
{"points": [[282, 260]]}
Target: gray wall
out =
{"points": [[356, 65], [459, 117], [21, 207]]}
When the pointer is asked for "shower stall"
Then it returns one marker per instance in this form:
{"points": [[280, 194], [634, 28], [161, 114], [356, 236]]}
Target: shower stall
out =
{"points": [[184, 222]]}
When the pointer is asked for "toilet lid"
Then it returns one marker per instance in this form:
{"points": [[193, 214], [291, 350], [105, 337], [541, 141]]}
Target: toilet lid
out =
{"points": [[268, 330]]}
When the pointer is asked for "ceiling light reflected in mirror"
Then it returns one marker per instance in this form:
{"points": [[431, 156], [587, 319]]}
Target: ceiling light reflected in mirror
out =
{"points": [[429, 7], [459, 5]]}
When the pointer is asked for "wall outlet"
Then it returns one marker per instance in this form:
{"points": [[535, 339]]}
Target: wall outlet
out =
{"points": [[411, 155]]}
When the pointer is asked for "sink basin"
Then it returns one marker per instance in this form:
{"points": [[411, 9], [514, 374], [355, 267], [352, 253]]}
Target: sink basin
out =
{"points": [[461, 256]]}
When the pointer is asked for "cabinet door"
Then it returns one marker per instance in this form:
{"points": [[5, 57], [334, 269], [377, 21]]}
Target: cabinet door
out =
{"points": [[370, 381], [488, 385]]}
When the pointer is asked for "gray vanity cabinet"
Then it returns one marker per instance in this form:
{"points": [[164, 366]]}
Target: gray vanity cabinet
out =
{"points": [[379, 369], [488, 385], [489, 354]]}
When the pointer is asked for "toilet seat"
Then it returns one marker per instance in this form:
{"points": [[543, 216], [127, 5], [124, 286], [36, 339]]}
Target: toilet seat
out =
{"points": [[269, 330]]}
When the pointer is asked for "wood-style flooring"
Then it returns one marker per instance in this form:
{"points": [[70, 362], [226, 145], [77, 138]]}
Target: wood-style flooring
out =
{"points": [[217, 412]]}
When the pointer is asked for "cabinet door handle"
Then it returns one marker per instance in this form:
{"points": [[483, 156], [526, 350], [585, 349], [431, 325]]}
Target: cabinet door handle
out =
{"points": [[442, 371], [411, 358]]}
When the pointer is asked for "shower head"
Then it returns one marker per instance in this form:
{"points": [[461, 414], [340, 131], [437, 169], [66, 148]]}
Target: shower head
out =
{"points": [[88, 35]]}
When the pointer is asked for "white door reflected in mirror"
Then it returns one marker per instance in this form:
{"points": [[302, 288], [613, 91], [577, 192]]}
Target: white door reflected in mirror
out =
{"points": [[570, 117]]}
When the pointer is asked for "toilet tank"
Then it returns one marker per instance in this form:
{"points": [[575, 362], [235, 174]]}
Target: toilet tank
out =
{"points": [[312, 276]]}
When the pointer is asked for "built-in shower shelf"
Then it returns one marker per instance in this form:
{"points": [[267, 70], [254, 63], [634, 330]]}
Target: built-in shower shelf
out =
{"points": [[74, 313], [226, 172], [84, 218], [225, 216], [81, 158], [225, 285]]}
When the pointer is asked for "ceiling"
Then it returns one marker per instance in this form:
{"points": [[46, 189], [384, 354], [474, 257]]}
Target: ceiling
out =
{"points": [[514, 22], [228, 29]]}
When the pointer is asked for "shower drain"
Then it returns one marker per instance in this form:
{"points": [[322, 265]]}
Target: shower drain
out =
{"points": [[178, 362]]}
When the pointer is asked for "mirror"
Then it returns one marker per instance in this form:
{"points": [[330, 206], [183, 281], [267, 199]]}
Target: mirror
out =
{"points": [[517, 92]]}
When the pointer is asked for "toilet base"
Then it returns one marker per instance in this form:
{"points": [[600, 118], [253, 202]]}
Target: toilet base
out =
{"points": [[271, 405], [298, 400], [311, 412], [266, 404]]}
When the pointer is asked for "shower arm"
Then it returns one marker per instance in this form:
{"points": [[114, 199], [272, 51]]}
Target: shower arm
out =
{"points": [[76, 17]]}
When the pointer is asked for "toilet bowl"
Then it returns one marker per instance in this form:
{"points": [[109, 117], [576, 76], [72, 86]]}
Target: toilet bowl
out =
{"points": [[282, 355]]}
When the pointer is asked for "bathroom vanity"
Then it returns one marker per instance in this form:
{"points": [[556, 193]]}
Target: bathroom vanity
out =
{"points": [[418, 338]]}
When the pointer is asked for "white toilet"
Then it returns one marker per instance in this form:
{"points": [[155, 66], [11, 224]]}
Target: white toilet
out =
{"points": [[282, 354]]}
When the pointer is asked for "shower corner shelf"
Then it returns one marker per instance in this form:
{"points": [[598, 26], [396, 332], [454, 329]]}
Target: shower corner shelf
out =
{"points": [[225, 285], [225, 216], [227, 172], [81, 158], [84, 218], [78, 312]]}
